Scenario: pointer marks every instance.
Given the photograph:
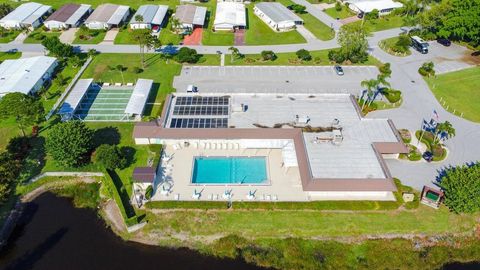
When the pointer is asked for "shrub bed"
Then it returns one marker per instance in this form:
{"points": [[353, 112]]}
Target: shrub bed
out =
{"points": [[121, 198], [438, 151]]}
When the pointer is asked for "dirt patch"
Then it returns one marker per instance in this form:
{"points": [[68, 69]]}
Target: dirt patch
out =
{"points": [[471, 58], [112, 214]]}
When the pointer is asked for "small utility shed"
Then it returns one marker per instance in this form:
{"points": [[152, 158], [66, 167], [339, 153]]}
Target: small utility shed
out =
{"points": [[26, 15], [107, 16], [69, 15], [26, 75], [153, 15], [190, 16], [230, 16], [365, 6], [277, 16]]}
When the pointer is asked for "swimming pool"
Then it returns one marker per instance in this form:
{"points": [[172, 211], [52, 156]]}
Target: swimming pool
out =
{"points": [[229, 170]]}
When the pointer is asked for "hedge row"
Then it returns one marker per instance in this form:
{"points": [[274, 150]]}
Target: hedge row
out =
{"points": [[126, 209]]}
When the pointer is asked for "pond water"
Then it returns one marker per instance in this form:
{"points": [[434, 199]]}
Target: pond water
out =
{"points": [[53, 234]]}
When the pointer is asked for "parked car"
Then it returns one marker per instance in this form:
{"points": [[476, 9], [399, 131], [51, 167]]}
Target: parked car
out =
{"points": [[192, 89], [445, 42], [428, 156], [339, 70], [156, 29]]}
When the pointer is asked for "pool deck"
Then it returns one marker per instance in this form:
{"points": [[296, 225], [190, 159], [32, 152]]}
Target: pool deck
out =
{"points": [[286, 184]]}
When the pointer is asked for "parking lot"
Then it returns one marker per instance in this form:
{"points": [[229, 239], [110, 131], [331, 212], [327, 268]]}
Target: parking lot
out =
{"points": [[446, 59], [273, 79]]}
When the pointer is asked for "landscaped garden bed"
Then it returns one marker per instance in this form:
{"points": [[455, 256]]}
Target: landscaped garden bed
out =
{"points": [[398, 46], [88, 36], [437, 149]]}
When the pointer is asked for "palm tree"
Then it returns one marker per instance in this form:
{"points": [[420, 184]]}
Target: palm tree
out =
{"points": [[445, 128], [121, 68], [234, 53], [370, 85], [139, 18]]}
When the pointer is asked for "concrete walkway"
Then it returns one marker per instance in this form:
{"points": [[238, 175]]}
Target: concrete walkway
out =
{"points": [[110, 37], [309, 36], [20, 38], [68, 36]]}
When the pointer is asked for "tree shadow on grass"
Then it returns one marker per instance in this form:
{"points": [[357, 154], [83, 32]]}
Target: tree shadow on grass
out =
{"points": [[129, 153], [107, 135], [35, 161]]}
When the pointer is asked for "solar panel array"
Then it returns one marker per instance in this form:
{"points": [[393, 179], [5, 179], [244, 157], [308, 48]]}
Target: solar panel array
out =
{"points": [[200, 112], [199, 123], [197, 100]]}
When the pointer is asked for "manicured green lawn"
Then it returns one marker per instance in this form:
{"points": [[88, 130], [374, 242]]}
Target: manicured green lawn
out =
{"points": [[259, 33], [382, 23], [94, 40], [319, 58], [278, 224], [9, 55], [342, 14], [124, 37], [9, 36], [168, 37], [156, 69], [38, 35], [389, 43], [459, 90], [318, 28]]}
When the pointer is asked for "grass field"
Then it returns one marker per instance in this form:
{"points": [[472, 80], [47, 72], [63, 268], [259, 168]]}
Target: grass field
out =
{"points": [[389, 43], [305, 224], [342, 14], [382, 23], [319, 58], [94, 40], [37, 35], [156, 69], [9, 36], [459, 90]]}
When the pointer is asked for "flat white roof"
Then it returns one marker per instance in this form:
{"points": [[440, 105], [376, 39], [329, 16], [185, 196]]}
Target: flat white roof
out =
{"points": [[21, 75], [353, 158], [26, 13], [230, 13], [152, 14], [75, 96], [139, 97], [277, 12], [369, 5]]}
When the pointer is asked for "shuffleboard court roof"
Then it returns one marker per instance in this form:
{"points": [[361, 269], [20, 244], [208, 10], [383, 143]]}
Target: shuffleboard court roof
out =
{"points": [[139, 97], [76, 94]]}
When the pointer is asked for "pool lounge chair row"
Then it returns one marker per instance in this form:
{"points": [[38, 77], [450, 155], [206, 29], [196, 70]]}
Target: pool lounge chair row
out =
{"points": [[208, 146]]}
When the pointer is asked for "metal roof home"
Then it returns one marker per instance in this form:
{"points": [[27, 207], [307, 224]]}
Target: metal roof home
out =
{"points": [[26, 15], [277, 13], [365, 6], [107, 15], [67, 16], [230, 15], [25, 75], [152, 14], [190, 14]]}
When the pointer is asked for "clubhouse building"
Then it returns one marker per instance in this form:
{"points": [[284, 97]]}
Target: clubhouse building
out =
{"points": [[270, 147]]}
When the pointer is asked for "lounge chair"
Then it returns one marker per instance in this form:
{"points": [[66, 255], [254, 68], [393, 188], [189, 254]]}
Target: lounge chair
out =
{"points": [[203, 145], [196, 195], [237, 146], [175, 147], [195, 145], [251, 195], [214, 146], [210, 197], [275, 197], [177, 196], [269, 198]]}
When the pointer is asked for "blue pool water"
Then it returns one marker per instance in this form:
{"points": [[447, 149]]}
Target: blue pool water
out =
{"points": [[229, 170]]}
